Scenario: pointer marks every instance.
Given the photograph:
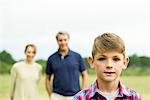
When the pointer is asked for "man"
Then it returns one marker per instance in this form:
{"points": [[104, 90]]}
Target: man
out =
{"points": [[66, 66]]}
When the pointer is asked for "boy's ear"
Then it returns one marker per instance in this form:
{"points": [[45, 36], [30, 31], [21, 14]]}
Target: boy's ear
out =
{"points": [[126, 61], [91, 62]]}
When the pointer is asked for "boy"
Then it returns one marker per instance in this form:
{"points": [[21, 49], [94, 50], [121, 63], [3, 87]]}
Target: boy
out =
{"points": [[108, 58]]}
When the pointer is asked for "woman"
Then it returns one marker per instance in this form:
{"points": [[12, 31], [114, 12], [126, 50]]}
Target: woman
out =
{"points": [[25, 76]]}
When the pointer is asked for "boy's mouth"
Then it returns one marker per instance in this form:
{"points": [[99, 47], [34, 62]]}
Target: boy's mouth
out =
{"points": [[109, 72]]}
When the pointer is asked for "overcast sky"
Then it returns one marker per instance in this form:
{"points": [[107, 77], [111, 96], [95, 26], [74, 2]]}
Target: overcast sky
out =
{"points": [[38, 21]]}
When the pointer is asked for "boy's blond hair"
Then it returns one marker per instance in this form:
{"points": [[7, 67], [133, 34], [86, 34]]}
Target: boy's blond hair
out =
{"points": [[108, 42]]}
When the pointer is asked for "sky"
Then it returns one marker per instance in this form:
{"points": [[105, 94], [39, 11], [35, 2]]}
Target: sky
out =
{"points": [[38, 21]]}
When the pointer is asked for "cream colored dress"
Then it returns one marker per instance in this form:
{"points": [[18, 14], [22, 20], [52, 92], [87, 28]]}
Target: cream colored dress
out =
{"points": [[24, 81]]}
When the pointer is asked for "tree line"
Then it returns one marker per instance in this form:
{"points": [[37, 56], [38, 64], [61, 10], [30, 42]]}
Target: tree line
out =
{"points": [[138, 65]]}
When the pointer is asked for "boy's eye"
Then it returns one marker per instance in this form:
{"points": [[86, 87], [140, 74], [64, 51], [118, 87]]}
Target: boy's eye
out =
{"points": [[101, 59], [116, 59]]}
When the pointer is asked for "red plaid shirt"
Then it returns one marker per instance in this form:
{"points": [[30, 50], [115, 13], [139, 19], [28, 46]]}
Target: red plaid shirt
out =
{"points": [[91, 93]]}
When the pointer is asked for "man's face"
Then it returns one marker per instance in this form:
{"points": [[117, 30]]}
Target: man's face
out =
{"points": [[63, 41]]}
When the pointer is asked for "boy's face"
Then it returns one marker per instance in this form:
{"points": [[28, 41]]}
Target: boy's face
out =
{"points": [[109, 65]]}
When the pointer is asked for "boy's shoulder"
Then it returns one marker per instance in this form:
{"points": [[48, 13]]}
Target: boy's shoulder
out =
{"points": [[125, 89], [82, 94], [129, 92], [85, 93]]}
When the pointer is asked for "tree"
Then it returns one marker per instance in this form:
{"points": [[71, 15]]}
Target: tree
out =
{"points": [[6, 57], [6, 62], [43, 64]]}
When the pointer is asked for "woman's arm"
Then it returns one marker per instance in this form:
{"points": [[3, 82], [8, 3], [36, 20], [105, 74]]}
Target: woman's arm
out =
{"points": [[13, 76]]}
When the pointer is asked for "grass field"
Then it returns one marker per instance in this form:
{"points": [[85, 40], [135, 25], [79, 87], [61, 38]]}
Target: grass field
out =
{"points": [[139, 83]]}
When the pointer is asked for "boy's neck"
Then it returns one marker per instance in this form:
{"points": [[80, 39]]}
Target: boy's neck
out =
{"points": [[107, 87]]}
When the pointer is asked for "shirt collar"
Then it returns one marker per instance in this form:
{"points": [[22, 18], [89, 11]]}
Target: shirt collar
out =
{"points": [[93, 89], [69, 52], [123, 90]]}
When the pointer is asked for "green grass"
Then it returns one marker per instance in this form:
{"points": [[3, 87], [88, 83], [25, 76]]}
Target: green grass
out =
{"points": [[138, 83]]}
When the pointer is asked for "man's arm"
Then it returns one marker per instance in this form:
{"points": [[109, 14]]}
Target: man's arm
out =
{"points": [[84, 79], [48, 84]]}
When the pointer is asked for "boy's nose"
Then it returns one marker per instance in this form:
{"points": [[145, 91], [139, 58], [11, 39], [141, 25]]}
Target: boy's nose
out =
{"points": [[109, 64], [109, 67]]}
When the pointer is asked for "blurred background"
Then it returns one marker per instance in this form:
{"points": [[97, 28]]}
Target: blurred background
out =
{"points": [[38, 21]]}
